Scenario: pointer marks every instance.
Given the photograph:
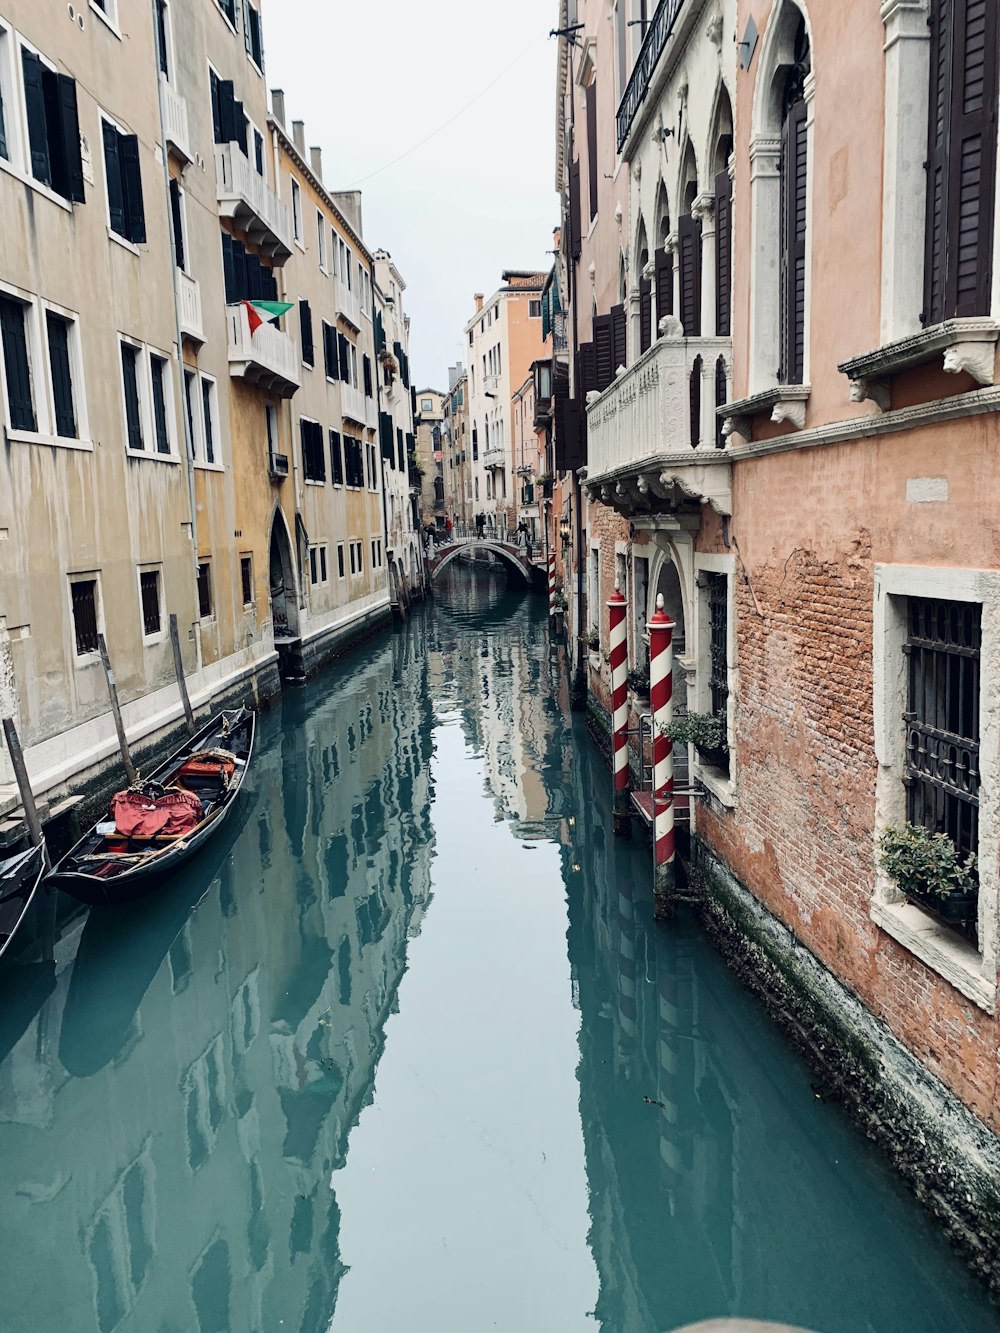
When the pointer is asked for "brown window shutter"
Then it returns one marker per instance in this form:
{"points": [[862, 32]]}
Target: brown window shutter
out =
{"points": [[794, 176], [586, 371], [721, 397], [603, 351], [592, 145], [689, 243], [575, 232], [972, 158], [723, 255], [663, 262], [935, 237], [645, 315], [619, 340], [695, 396]]}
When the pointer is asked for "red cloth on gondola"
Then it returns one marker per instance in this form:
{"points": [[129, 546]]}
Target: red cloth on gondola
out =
{"points": [[168, 816]]}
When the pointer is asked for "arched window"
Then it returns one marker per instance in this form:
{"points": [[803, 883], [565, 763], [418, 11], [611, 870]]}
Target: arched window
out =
{"points": [[794, 209], [663, 261], [689, 249], [723, 217], [645, 292], [695, 391]]}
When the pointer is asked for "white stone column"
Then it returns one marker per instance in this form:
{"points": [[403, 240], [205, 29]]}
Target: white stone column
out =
{"points": [[765, 230], [703, 210]]}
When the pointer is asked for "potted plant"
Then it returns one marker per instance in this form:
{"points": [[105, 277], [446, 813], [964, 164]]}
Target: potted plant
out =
{"points": [[928, 868], [707, 732], [638, 682]]}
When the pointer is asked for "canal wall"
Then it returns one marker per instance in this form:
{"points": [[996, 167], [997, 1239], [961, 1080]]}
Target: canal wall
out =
{"points": [[945, 1153]]}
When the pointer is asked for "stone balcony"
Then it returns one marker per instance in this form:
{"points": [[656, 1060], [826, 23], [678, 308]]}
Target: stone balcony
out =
{"points": [[495, 457], [653, 435], [267, 358], [246, 199], [175, 120], [352, 405], [189, 306], [347, 304]]}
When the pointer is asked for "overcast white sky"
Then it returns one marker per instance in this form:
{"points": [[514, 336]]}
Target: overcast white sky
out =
{"points": [[477, 198]]}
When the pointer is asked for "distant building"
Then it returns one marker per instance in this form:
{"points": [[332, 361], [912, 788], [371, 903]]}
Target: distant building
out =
{"points": [[457, 470], [429, 422]]}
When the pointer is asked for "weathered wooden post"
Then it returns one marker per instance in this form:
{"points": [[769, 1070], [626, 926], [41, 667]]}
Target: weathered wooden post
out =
{"points": [[619, 710], [661, 688], [116, 712], [175, 640], [8, 712]]}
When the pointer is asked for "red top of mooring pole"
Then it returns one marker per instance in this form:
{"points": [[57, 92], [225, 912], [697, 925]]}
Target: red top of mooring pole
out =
{"points": [[616, 598], [659, 620]]}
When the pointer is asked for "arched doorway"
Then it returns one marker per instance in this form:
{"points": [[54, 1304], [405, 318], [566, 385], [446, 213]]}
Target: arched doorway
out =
{"points": [[281, 582]]}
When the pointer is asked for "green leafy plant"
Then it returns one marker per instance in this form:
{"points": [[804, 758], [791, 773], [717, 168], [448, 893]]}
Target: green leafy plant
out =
{"points": [[559, 600], [707, 731], [592, 639], [638, 680], [926, 864]]}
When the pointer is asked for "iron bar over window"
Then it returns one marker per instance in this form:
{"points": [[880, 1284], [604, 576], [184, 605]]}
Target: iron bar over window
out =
{"points": [[83, 593], [718, 614]]}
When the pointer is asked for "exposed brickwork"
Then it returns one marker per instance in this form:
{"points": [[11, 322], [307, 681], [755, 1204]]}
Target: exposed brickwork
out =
{"points": [[607, 528]]}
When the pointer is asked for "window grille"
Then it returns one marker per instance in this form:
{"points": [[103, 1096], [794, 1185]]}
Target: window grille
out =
{"points": [[83, 593], [149, 586], [718, 614], [204, 591]]}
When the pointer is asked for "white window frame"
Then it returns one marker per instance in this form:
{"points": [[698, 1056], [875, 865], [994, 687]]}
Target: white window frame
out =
{"points": [[197, 422], [271, 428], [102, 118], [341, 561], [171, 57], [210, 618], [248, 555], [85, 576], [40, 372], [152, 567], [721, 785], [16, 119], [296, 192], [82, 440], [319, 557], [225, 17], [143, 389], [202, 462], [110, 19], [972, 972], [321, 242], [169, 405], [312, 481], [260, 19]]}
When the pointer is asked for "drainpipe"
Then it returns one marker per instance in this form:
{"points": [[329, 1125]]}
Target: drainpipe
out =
{"points": [[188, 441]]}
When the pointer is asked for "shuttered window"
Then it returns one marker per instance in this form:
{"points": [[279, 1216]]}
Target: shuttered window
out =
{"points": [[592, 146], [369, 382], [400, 449], [306, 327], [228, 8], [645, 314], [83, 597], [313, 453], [57, 330], [689, 247], [723, 255], [386, 441], [603, 351], [149, 590], [252, 35], [53, 127], [721, 396], [177, 223], [208, 411], [133, 408], [354, 463], [794, 172], [336, 459], [229, 119], [663, 263], [17, 365], [619, 338], [961, 159], [694, 388], [158, 367], [126, 215], [247, 279], [575, 212], [331, 353]]}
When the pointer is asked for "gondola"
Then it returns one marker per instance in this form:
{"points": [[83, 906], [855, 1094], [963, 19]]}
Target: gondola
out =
{"points": [[19, 880], [136, 845]]}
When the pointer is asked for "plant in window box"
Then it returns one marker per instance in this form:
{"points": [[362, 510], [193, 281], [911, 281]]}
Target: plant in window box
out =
{"points": [[707, 732], [638, 682], [592, 639], [929, 868]]}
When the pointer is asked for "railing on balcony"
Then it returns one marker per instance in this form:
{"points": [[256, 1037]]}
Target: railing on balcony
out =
{"points": [[660, 29], [663, 405], [175, 119], [352, 404], [267, 357], [189, 305], [247, 199], [347, 303], [495, 456]]}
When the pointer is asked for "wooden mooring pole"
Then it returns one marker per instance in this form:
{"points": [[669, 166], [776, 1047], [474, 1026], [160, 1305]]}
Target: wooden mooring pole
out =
{"points": [[175, 640], [8, 711], [116, 712]]}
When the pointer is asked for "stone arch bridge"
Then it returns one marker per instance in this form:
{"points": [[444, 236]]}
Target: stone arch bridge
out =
{"points": [[515, 557]]}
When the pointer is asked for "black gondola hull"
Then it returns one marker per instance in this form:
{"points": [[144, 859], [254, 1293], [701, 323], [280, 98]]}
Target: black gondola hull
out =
{"points": [[19, 880]]}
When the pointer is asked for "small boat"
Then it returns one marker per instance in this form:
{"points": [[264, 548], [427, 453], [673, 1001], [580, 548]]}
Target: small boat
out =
{"points": [[151, 830], [19, 880]]}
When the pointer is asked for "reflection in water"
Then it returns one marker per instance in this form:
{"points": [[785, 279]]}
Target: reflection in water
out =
{"points": [[404, 1050]]}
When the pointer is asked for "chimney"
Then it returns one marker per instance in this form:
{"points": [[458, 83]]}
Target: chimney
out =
{"points": [[478, 298], [299, 136], [316, 158], [278, 105]]}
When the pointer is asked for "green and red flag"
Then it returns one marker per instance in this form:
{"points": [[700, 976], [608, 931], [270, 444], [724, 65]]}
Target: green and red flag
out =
{"points": [[264, 312]]}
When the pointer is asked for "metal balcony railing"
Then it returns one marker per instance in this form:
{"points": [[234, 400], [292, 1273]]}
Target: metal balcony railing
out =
{"points": [[661, 27]]}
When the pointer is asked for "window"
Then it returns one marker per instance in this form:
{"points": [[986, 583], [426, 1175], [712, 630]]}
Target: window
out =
{"points": [[340, 560], [193, 415], [321, 240], [592, 169], [792, 228], [17, 364], [205, 591], [53, 150], [354, 462], [247, 279], [336, 459], [228, 8], [400, 449], [306, 328], [210, 417], [370, 457], [126, 216], [368, 381], [58, 331], [354, 558], [331, 360], [941, 773], [271, 425], [718, 619], [246, 579], [158, 375], [149, 595], [177, 223], [252, 35], [163, 48], [132, 379], [109, 8], [375, 555], [313, 454], [297, 211], [535, 309], [961, 160], [318, 573], [229, 120], [86, 624]]}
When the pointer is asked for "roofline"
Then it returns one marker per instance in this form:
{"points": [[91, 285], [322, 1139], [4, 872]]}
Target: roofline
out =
{"points": [[289, 147]]}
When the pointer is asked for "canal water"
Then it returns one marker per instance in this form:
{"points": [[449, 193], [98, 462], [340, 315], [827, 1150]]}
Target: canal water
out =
{"points": [[404, 1050]]}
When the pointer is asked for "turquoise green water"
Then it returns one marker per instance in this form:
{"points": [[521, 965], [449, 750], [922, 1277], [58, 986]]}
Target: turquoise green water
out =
{"points": [[405, 1051]]}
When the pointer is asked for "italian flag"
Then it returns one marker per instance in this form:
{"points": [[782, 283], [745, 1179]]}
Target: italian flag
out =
{"points": [[264, 312]]}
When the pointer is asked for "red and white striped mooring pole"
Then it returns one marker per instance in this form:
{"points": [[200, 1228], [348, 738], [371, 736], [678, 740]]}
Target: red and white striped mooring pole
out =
{"points": [[619, 709], [661, 689], [552, 585]]}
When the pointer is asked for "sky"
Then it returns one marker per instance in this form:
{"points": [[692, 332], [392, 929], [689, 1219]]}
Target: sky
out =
{"points": [[372, 81]]}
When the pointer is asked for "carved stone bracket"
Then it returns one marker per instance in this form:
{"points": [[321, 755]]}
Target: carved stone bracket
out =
{"points": [[875, 389], [967, 345], [741, 426], [792, 411], [977, 358], [703, 208]]}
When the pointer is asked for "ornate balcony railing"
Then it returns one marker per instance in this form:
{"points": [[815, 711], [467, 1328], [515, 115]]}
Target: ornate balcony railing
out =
{"points": [[661, 27]]}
